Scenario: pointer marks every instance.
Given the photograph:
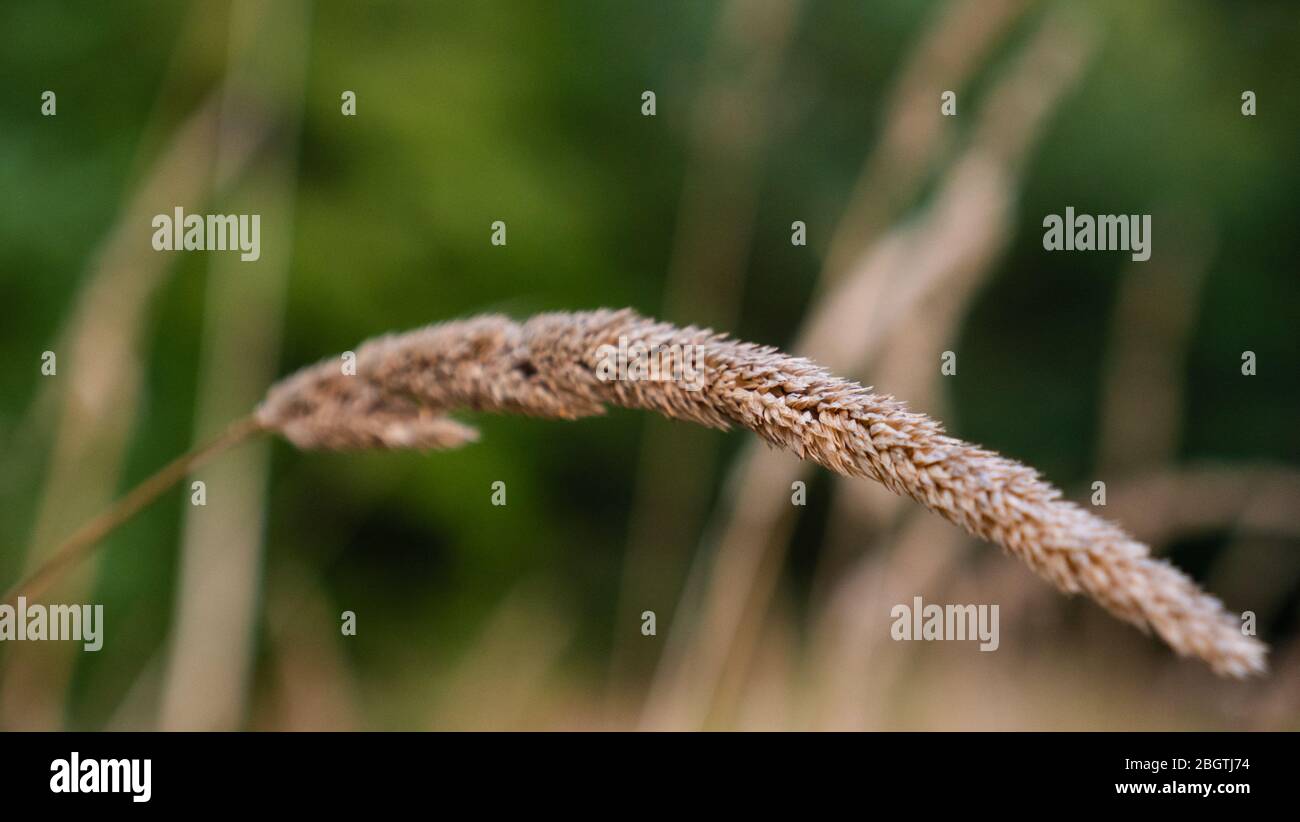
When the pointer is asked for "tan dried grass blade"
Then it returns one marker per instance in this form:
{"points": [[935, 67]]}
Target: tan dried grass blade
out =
{"points": [[549, 366], [404, 385]]}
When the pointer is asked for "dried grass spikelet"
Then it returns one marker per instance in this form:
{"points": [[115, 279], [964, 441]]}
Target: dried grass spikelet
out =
{"points": [[547, 367]]}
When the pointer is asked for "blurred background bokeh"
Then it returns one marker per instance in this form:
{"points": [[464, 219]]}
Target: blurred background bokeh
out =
{"points": [[924, 235]]}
